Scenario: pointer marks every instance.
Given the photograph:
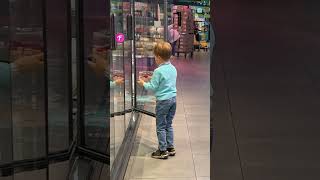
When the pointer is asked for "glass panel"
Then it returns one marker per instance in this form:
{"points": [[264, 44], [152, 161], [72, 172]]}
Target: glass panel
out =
{"points": [[36, 174], [5, 86], [117, 78], [145, 99], [96, 57], [59, 171], [58, 50], [4, 31], [28, 108], [127, 63], [149, 30]]}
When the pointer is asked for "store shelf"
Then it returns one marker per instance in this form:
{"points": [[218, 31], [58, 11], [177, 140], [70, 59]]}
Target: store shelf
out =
{"points": [[143, 57]]}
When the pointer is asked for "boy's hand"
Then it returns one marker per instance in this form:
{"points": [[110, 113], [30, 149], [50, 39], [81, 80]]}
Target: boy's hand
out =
{"points": [[141, 82], [119, 81]]}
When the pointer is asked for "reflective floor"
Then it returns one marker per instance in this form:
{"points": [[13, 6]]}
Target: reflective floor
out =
{"points": [[191, 127]]}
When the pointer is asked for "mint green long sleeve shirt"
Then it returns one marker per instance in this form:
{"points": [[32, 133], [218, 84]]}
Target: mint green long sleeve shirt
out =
{"points": [[163, 82], [112, 84]]}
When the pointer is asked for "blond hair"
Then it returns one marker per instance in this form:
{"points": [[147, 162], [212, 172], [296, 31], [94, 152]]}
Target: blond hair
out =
{"points": [[163, 50]]}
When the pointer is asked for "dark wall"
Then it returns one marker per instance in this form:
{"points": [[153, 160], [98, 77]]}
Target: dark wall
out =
{"points": [[266, 98]]}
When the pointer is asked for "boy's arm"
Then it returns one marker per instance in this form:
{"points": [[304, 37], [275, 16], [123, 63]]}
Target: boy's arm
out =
{"points": [[153, 84], [112, 84]]}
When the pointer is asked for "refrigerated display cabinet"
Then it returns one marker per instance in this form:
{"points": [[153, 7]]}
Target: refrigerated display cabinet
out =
{"points": [[94, 125]]}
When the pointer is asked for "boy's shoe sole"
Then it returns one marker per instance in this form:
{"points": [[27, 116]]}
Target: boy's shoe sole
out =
{"points": [[171, 151], [160, 155]]}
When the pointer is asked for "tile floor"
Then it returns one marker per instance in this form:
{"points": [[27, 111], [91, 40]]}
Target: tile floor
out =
{"points": [[191, 125]]}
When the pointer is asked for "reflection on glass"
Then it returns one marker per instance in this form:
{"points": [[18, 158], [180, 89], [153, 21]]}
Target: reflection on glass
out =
{"points": [[5, 86], [58, 74], [128, 76], [128, 80], [145, 99], [26, 53], [117, 97], [5, 115], [96, 82], [127, 56]]}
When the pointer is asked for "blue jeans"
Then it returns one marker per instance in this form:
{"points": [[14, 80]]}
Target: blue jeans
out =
{"points": [[165, 111]]}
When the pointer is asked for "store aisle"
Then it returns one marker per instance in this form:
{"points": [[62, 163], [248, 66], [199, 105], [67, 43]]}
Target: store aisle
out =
{"points": [[191, 126]]}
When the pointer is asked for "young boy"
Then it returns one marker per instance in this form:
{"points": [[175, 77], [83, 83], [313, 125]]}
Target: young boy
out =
{"points": [[163, 84]]}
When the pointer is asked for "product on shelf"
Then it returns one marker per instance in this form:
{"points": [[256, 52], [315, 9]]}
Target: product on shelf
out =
{"points": [[149, 46], [148, 29], [145, 75], [184, 23]]}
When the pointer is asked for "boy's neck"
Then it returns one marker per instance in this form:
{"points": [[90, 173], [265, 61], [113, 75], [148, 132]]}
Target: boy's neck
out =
{"points": [[163, 62]]}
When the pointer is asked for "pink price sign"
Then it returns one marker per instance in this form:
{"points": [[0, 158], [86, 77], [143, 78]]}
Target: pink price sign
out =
{"points": [[120, 38]]}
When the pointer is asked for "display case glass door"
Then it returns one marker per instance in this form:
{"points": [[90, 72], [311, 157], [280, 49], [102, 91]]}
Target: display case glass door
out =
{"points": [[105, 83], [94, 55], [148, 30]]}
